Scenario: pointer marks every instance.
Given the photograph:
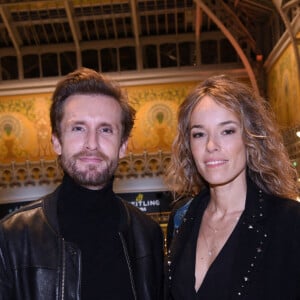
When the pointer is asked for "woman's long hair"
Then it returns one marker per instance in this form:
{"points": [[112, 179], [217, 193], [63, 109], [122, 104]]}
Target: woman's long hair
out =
{"points": [[268, 164]]}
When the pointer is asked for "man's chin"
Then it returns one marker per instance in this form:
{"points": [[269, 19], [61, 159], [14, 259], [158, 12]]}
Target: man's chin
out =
{"points": [[90, 170], [90, 174], [92, 178]]}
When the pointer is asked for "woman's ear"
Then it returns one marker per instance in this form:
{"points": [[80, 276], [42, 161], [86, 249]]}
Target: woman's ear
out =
{"points": [[56, 144]]}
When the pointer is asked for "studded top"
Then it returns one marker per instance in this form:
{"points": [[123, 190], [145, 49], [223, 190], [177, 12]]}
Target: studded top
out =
{"points": [[256, 268]]}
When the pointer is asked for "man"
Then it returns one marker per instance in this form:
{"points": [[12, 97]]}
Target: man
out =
{"points": [[82, 241]]}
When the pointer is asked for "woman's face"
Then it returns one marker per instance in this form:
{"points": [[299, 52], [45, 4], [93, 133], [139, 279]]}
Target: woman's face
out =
{"points": [[217, 144]]}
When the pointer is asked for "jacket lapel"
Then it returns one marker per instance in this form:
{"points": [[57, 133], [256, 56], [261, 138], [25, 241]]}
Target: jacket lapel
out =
{"points": [[179, 241], [252, 242], [198, 205]]}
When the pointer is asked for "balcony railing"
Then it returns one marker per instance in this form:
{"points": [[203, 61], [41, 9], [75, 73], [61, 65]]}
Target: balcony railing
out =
{"points": [[35, 173]]}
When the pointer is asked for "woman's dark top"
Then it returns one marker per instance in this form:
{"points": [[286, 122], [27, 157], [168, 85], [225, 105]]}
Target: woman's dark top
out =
{"points": [[260, 260], [217, 282]]}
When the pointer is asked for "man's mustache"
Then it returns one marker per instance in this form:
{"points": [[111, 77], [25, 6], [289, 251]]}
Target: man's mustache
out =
{"points": [[97, 154]]}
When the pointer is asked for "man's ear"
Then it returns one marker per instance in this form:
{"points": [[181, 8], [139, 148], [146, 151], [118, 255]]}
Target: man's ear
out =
{"points": [[56, 144], [123, 148]]}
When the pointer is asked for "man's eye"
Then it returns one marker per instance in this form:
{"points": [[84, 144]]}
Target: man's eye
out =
{"points": [[77, 128], [106, 130]]}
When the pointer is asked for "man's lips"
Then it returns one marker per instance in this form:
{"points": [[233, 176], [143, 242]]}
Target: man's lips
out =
{"points": [[90, 158]]}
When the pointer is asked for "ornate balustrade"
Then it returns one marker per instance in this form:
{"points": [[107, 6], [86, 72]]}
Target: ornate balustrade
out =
{"points": [[143, 165], [25, 181], [35, 173]]}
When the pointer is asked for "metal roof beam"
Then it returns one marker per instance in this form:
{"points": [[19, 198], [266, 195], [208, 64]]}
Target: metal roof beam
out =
{"points": [[10, 27], [136, 32], [198, 26], [234, 43], [14, 35], [289, 29], [74, 29]]}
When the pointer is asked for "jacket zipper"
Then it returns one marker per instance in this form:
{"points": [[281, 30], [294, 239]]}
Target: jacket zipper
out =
{"points": [[129, 265], [63, 271]]}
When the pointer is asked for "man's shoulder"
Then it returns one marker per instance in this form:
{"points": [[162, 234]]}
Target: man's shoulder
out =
{"points": [[142, 226], [136, 216], [31, 209], [24, 211], [134, 211]]}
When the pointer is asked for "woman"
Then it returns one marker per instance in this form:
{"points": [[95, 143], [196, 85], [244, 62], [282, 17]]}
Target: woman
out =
{"points": [[240, 235]]}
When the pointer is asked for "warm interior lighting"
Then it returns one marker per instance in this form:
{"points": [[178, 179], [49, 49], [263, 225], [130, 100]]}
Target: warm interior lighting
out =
{"points": [[259, 57], [298, 134]]}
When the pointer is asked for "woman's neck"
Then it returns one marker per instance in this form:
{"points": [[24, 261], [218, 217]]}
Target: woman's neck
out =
{"points": [[227, 199]]}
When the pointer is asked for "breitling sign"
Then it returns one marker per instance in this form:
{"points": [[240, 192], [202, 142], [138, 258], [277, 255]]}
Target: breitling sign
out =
{"points": [[149, 202]]}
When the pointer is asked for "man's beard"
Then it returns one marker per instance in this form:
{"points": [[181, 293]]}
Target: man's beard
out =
{"points": [[93, 175]]}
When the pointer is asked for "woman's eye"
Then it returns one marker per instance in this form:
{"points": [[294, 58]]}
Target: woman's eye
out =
{"points": [[229, 131], [197, 134]]}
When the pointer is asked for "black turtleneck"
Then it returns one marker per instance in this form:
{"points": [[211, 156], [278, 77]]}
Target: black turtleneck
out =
{"points": [[90, 219]]}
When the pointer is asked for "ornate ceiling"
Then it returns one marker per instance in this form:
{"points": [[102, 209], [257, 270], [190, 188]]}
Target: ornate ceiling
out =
{"points": [[252, 27], [46, 23]]}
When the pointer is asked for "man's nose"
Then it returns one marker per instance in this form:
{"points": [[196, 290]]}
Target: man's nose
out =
{"points": [[91, 140]]}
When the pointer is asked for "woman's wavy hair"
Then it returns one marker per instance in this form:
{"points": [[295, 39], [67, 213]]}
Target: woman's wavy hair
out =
{"points": [[268, 164], [86, 81]]}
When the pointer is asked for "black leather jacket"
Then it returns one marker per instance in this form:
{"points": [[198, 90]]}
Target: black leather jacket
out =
{"points": [[36, 263]]}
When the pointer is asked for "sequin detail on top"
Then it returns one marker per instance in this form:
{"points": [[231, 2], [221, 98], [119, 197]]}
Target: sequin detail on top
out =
{"points": [[253, 228]]}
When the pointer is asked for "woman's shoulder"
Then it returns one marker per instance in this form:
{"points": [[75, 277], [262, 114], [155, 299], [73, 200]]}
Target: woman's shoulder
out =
{"points": [[180, 210], [182, 206], [285, 207], [186, 207]]}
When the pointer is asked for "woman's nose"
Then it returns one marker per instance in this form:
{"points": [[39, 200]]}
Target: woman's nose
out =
{"points": [[212, 144]]}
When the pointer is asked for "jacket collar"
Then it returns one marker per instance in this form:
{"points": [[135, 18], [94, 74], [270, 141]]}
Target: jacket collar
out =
{"points": [[253, 240], [197, 206], [49, 205]]}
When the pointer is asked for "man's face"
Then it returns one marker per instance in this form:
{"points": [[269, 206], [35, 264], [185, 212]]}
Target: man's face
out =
{"points": [[90, 143]]}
